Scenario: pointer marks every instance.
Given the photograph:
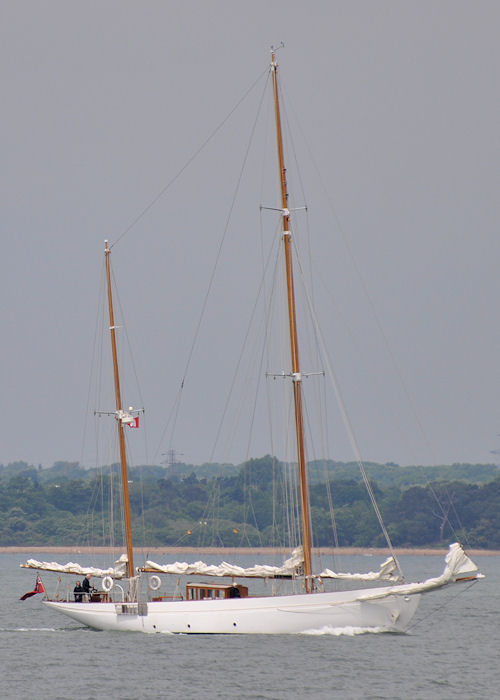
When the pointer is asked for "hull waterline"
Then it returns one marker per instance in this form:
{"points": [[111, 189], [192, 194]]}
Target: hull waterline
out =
{"points": [[268, 615]]}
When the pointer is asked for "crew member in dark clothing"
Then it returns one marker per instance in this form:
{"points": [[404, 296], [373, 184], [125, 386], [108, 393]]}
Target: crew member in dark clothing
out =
{"points": [[86, 585], [78, 591]]}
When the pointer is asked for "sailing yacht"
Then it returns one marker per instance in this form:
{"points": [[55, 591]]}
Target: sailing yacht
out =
{"points": [[226, 605]]}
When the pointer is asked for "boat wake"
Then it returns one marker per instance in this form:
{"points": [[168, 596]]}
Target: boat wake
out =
{"points": [[29, 629], [344, 631]]}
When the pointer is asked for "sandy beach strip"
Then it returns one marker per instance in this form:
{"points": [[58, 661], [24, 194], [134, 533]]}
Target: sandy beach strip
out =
{"points": [[238, 550]]}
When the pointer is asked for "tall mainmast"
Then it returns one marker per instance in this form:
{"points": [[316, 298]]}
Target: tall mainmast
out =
{"points": [[119, 414], [294, 344]]}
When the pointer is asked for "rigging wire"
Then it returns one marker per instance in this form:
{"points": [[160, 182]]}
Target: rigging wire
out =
{"points": [[103, 497], [362, 282], [131, 355], [259, 374], [279, 304], [288, 483], [284, 521], [98, 484], [144, 433], [438, 500], [369, 299], [97, 338], [188, 162], [438, 608], [291, 149], [236, 373], [174, 411], [222, 241], [240, 359], [347, 422]]}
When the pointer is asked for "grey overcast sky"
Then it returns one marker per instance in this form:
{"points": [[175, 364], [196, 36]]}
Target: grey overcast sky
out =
{"points": [[103, 102]]}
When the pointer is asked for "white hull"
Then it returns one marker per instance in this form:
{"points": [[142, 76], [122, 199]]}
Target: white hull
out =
{"points": [[267, 615]]}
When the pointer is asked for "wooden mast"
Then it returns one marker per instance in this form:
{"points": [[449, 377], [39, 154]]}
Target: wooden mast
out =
{"points": [[121, 436], [294, 345]]}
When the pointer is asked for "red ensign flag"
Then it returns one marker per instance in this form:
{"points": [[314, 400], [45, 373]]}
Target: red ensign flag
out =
{"points": [[38, 589]]}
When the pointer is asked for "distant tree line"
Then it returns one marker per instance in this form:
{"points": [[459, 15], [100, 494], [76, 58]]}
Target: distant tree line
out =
{"points": [[250, 504]]}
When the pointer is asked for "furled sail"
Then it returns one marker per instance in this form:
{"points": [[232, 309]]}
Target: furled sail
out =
{"points": [[291, 567], [117, 571], [457, 565], [385, 573]]}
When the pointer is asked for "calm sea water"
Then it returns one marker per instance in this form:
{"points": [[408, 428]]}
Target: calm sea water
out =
{"points": [[452, 650]]}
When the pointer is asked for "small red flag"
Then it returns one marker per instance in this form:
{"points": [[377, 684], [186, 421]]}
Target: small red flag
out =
{"points": [[135, 424], [39, 588]]}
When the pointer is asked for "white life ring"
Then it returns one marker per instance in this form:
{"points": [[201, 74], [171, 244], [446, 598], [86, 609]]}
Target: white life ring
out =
{"points": [[154, 582], [107, 583]]}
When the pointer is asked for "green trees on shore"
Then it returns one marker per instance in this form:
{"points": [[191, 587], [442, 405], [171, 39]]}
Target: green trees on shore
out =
{"points": [[211, 505]]}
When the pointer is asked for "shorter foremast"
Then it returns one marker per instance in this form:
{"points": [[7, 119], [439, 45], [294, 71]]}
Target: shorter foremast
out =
{"points": [[119, 420]]}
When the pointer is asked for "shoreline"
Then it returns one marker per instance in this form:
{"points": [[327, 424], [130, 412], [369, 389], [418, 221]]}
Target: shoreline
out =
{"points": [[426, 551]]}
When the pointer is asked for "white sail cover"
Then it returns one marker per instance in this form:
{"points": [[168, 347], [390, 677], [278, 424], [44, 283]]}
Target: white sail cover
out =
{"points": [[385, 573], [291, 567], [117, 571], [457, 564]]}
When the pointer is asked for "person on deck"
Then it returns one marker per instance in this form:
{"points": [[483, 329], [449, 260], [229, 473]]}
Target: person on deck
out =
{"points": [[86, 585], [78, 591]]}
